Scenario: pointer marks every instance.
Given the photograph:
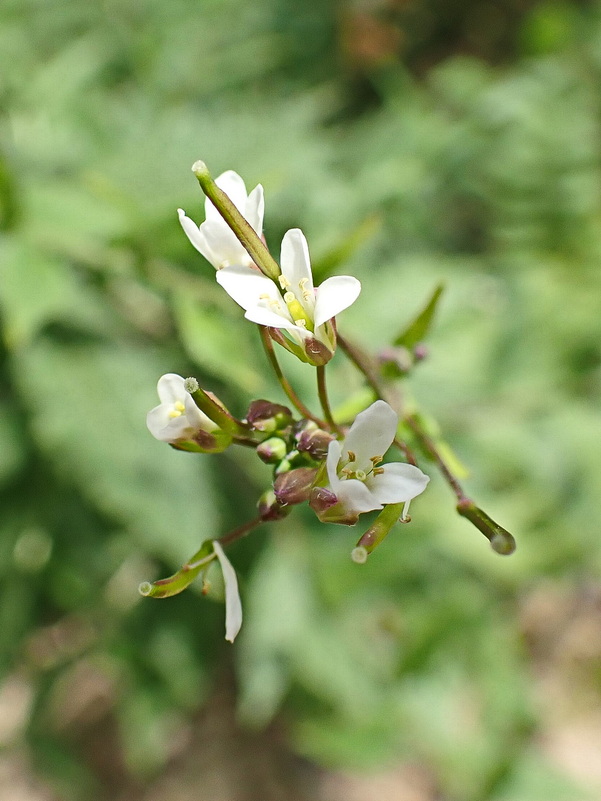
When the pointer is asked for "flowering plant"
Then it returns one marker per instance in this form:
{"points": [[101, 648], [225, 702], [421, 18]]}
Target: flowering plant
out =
{"points": [[337, 465]]}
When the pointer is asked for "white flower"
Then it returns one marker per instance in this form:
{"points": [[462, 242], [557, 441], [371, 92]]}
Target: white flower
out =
{"points": [[233, 606], [355, 476], [295, 305], [214, 238], [177, 417]]}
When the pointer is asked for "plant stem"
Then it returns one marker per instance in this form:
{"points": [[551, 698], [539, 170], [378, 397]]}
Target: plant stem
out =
{"points": [[240, 532], [284, 383], [322, 391]]}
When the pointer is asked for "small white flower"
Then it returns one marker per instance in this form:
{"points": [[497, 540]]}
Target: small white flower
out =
{"points": [[214, 238], [177, 417], [355, 476], [295, 305], [233, 606]]}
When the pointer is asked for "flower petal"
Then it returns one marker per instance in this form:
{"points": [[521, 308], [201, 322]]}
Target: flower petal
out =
{"points": [[255, 208], [335, 295], [371, 434], [355, 496], [195, 236], [171, 388], [294, 259], [247, 286], [265, 316], [165, 428], [332, 459], [233, 606], [399, 482]]}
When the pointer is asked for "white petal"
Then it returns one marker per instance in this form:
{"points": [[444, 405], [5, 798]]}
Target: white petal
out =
{"points": [[255, 208], [294, 259], [196, 418], [355, 496], [165, 428], [334, 453], [264, 316], [233, 606], [399, 482], [246, 286], [335, 295], [222, 243], [371, 434], [196, 237], [171, 388]]}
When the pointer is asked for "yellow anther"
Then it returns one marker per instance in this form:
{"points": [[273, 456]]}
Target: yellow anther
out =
{"points": [[375, 459], [351, 456], [307, 295], [175, 413], [377, 471], [284, 282], [265, 296], [179, 406]]}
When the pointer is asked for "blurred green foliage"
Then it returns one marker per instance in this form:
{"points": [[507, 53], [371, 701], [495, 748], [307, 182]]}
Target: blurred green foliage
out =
{"points": [[485, 177]]}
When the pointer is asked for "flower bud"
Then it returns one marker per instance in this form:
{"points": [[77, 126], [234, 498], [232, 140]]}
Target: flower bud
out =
{"points": [[270, 508], [266, 416], [314, 441], [294, 486], [272, 450], [321, 500]]}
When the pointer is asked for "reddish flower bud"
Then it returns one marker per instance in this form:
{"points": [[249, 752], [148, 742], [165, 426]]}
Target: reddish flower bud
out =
{"points": [[294, 486]]}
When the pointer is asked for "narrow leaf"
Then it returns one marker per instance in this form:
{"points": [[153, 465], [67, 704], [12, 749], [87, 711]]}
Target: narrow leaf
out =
{"points": [[417, 330]]}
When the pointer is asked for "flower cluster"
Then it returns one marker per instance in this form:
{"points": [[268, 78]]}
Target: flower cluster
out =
{"points": [[338, 466]]}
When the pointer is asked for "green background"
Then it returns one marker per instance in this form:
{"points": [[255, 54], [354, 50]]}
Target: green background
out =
{"points": [[413, 143]]}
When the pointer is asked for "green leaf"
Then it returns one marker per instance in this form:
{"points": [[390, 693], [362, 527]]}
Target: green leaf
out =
{"points": [[417, 330]]}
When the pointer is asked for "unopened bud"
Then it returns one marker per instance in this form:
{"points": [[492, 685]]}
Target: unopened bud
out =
{"points": [[420, 352], [322, 499], [269, 507], [315, 442], [295, 486], [272, 450], [266, 416]]}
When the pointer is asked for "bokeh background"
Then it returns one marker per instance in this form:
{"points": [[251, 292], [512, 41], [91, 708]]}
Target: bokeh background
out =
{"points": [[414, 141]]}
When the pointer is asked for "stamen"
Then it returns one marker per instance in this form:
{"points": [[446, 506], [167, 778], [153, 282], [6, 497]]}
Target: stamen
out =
{"points": [[377, 471], [174, 413], [179, 406], [283, 281], [375, 460], [351, 456]]}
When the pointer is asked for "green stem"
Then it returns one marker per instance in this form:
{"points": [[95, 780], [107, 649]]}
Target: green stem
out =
{"points": [[322, 391], [502, 542], [244, 232], [381, 526], [283, 381], [430, 448]]}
